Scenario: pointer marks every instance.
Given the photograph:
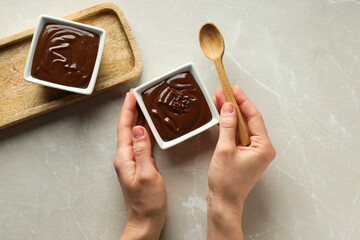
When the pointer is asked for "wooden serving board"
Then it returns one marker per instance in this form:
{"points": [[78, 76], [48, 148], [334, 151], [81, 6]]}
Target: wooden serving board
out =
{"points": [[120, 63]]}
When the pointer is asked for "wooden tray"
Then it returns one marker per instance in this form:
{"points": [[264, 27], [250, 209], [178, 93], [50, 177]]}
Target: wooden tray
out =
{"points": [[120, 63]]}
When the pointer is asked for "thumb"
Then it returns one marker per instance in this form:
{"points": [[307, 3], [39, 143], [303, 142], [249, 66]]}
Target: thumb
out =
{"points": [[142, 148], [228, 124]]}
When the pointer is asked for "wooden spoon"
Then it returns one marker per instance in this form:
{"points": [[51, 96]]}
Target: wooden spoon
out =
{"points": [[212, 45]]}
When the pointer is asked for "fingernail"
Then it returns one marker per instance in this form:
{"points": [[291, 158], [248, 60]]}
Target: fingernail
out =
{"points": [[227, 108], [137, 132]]}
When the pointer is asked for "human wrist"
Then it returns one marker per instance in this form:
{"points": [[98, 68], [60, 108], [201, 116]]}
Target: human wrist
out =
{"points": [[224, 217], [221, 203], [225, 226], [148, 229], [224, 223], [224, 213]]}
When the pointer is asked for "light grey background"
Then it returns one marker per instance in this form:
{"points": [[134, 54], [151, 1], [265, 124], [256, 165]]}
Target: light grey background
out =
{"points": [[298, 60]]}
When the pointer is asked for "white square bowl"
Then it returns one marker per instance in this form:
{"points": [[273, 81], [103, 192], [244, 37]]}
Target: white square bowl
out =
{"points": [[189, 67], [43, 20]]}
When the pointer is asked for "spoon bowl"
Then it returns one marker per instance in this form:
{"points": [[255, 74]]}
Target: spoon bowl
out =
{"points": [[211, 41]]}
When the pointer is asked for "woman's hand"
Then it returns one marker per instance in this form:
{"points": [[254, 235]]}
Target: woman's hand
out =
{"points": [[142, 186], [235, 169]]}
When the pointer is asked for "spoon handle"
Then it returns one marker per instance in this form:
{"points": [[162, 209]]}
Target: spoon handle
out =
{"points": [[229, 95]]}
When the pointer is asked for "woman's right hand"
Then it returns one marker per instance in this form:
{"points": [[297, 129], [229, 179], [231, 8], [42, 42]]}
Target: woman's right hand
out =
{"points": [[235, 169]]}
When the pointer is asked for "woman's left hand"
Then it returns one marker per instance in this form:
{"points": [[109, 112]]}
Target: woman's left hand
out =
{"points": [[142, 185]]}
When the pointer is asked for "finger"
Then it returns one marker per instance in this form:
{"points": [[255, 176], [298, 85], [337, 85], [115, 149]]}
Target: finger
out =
{"points": [[142, 149], [148, 130], [227, 125], [220, 97], [216, 104], [126, 121], [252, 115], [136, 112], [141, 119], [136, 116]]}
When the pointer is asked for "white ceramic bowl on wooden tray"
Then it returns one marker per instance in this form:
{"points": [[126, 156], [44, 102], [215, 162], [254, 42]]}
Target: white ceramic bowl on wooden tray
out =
{"points": [[44, 20], [120, 63]]}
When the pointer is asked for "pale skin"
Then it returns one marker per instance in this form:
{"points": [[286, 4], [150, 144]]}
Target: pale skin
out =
{"points": [[142, 186], [233, 171]]}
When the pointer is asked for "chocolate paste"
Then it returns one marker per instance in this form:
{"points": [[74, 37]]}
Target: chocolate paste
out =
{"points": [[65, 55], [176, 106]]}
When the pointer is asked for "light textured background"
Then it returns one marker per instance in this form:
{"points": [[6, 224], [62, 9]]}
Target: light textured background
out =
{"points": [[298, 60]]}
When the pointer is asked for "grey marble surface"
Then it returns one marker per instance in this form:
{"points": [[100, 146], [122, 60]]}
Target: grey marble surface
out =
{"points": [[298, 60]]}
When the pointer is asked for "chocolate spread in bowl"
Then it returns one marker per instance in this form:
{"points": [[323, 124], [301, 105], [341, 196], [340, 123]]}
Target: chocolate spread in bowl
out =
{"points": [[65, 55], [176, 106]]}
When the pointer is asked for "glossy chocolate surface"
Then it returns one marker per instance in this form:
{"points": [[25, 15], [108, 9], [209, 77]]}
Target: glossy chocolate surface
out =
{"points": [[176, 106], [65, 55]]}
